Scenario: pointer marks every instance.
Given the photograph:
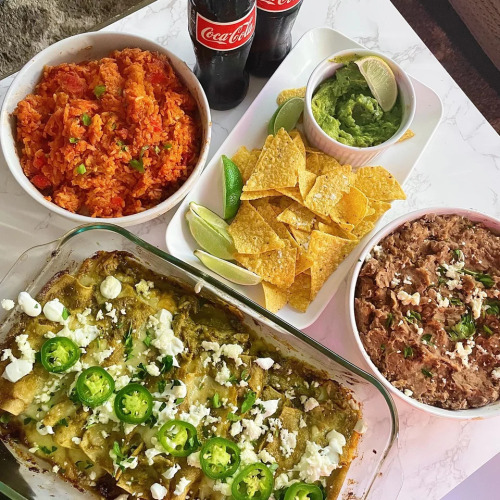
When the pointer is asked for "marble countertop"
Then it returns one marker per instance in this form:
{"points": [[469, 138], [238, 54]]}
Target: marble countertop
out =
{"points": [[460, 167]]}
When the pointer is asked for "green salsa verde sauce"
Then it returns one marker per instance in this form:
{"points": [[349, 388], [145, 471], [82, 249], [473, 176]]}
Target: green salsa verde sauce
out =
{"points": [[344, 107]]}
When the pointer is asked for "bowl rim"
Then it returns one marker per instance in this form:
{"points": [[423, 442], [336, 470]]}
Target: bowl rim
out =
{"points": [[10, 151], [325, 65], [490, 221]]}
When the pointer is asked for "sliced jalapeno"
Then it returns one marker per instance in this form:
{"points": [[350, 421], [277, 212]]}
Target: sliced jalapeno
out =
{"points": [[219, 458], [254, 482], [303, 491], [58, 354], [94, 386], [133, 404], [179, 438]]}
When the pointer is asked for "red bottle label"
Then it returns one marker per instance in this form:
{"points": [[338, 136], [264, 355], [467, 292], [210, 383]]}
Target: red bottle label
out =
{"points": [[225, 36], [276, 5]]}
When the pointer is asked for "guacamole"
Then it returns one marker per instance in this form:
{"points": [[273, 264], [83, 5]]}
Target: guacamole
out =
{"points": [[344, 107]]}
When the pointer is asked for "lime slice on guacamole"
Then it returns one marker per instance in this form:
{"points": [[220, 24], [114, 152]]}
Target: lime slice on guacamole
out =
{"points": [[231, 272], [232, 186], [380, 79], [287, 115]]}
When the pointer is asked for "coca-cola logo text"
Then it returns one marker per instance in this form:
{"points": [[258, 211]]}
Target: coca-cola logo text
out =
{"points": [[276, 5], [225, 36]]}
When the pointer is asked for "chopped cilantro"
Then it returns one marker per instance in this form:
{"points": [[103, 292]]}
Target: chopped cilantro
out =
{"points": [[426, 373], [86, 119], [413, 316], [139, 164], [488, 330], [122, 145], [149, 337], [408, 352], [65, 314], [27, 420], [63, 422], [179, 401], [382, 347], [389, 320], [157, 150], [232, 417], [483, 278], [457, 254], [48, 451], [99, 90], [216, 401], [427, 339], [81, 169], [4, 418], [73, 140], [161, 385], [273, 467], [249, 401], [454, 301], [166, 363], [167, 145], [142, 373], [84, 464], [128, 342], [493, 307], [245, 375], [464, 329], [113, 126]]}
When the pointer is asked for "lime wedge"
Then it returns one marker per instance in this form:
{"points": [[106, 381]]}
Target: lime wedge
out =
{"points": [[212, 240], [288, 114], [380, 79], [270, 125], [211, 218], [232, 186], [231, 272]]}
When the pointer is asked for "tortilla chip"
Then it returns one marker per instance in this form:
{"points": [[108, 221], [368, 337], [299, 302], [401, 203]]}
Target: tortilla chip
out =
{"points": [[251, 233], [287, 94], [407, 135], [351, 209], [278, 165], [306, 182], [312, 164], [327, 252], [255, 195], [363, 228], [329, 164], [335, 230], [293, 193], [298, 216], [299, 293], [301, 237], [275, 298], [327, 192], [376, 209], [379, 184], [269, 215], [245, 161], [276, 267], [304, 262]]}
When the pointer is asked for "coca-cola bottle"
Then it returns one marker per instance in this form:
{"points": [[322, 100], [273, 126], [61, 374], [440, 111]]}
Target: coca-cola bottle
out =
{"points": [[222, 33], [273, 38]]}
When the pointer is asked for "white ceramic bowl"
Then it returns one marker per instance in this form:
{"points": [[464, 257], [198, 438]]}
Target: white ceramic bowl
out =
{"points": [[487, 411], [348, 154], [79, 48]]}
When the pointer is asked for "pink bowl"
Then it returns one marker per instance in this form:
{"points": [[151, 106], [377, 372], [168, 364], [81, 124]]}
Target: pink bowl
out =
{"points": [[491, 410]]}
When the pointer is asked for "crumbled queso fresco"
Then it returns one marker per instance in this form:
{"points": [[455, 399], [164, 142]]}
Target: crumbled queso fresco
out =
{"points": [[110, 358]]}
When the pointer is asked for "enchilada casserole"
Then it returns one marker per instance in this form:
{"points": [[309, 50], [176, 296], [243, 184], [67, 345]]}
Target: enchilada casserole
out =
{"points": [[127, 382]]}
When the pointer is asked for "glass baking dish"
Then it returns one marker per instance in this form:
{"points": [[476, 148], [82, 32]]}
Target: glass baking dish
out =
{"points": [[375, 473]]}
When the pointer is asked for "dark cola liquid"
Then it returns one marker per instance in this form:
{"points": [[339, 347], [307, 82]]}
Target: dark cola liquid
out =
{"points": [[272, 42], [222, 73]]}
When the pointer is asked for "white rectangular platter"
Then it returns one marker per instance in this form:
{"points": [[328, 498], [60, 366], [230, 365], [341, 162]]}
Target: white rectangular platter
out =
{"points": [[251, 132]]}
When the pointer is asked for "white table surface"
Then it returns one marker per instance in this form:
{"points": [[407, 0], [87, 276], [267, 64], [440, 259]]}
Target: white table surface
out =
{"points": [[460, 167]]}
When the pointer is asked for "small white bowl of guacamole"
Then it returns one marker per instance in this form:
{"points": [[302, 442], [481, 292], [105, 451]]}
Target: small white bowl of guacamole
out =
{"points": [[343, 118]]}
